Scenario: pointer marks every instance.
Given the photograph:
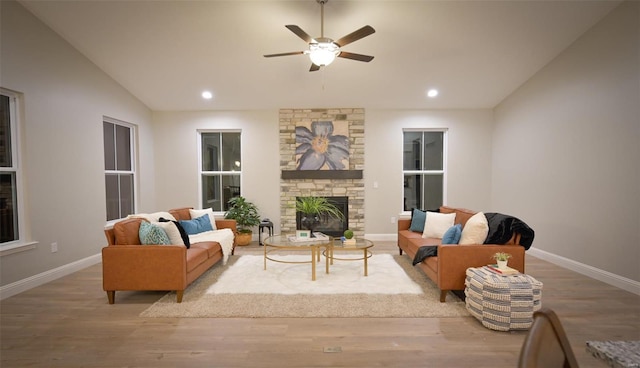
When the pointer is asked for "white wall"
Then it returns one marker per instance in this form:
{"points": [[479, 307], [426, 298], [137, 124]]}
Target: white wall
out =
{"points": [[469, 184], [65, 98], [176, 153], [566, 154], [468, 167]]}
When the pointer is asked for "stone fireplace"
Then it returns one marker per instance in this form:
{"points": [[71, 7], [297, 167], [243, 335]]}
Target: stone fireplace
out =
{"points": [[347, 183]]}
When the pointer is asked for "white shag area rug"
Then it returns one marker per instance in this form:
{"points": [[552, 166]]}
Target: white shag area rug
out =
{"points": [[199, 302], [248, 276]]}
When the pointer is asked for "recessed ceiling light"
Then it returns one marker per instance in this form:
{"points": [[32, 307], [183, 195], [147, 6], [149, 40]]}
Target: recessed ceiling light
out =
{"points": [[432, 93], [207, 95]]}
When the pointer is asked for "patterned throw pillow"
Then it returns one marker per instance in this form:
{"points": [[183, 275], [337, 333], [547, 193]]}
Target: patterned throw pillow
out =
{"points": [[152, 235]]}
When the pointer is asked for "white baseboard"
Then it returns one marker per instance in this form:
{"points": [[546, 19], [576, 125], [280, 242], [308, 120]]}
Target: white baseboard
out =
{"points": [[595, 273], [47, 276]]}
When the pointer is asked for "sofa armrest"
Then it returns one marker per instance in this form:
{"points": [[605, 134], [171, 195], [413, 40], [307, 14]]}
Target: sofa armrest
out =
{"points": [[404, 224], [453, 261], [227, 224], [144, 267]]}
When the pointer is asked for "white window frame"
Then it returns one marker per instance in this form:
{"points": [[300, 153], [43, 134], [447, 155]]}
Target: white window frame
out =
{"points": [[200, 132], [445, 150], [15, 118], [132, 148]]}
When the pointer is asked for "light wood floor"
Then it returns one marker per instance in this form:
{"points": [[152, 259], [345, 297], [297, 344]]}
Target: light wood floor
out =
{"points": [[68, 323]]}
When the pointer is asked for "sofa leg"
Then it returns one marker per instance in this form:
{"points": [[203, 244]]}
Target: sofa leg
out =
{"points": [[443, 295], [179, 294], [400, 250], [111, 295]]}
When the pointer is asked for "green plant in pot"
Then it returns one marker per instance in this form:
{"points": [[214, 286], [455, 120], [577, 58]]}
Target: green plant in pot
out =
{"points": [[246, 215], [501, 258], [314, 210]]}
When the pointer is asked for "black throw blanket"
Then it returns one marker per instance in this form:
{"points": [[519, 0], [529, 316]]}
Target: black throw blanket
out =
{"points": [[424, 252], [502, 227]]}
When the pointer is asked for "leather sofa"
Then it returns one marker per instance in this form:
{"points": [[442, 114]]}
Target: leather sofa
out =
{"points": [[128, 265], [448, 268]]}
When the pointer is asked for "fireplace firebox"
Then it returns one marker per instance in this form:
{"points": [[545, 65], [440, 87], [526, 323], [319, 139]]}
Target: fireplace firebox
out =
{"points": [[332, 226]]}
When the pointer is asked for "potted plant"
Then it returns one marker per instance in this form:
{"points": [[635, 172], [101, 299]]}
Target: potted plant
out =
{"points": [[246, 215], [502, 259], [314, 210]]}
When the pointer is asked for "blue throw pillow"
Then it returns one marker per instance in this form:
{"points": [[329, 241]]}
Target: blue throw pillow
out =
{"points": [[197, 225], [452, 235], [418, 219]]}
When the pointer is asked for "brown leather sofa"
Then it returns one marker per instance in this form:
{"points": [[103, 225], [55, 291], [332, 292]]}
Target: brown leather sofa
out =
{"points": [[448, 268], [128, 265]]}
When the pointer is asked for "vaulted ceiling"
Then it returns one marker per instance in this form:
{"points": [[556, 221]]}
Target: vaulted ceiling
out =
{"points": [[167, 52]]}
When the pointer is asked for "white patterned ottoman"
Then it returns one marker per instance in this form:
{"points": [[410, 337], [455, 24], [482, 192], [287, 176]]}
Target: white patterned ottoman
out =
{"points": [[502, 302]]}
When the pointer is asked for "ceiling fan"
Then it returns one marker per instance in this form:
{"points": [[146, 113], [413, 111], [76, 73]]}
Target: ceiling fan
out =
{"points": [[322, 51]]}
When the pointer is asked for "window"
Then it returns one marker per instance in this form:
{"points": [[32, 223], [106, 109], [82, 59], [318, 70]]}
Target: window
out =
{"points": [[423, 169], [220, 168], [10, 189], [119, 169]]}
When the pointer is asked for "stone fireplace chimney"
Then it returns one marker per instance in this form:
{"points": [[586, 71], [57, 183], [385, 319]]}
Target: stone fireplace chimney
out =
{"points": [[322, 183]]}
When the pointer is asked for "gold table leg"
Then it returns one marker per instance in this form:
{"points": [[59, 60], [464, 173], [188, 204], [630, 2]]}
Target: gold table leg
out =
{"points": [[366, 271], [313, 263]]}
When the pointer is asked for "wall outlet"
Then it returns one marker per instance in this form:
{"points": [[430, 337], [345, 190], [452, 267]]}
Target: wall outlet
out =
{"points": [[393, 219], [54, 247]]}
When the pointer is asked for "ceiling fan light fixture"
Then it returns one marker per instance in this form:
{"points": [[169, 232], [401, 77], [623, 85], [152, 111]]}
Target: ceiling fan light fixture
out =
{"points": [[323, 53]]}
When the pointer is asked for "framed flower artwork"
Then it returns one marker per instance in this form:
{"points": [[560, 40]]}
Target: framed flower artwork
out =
{"points": [[322, 145]]}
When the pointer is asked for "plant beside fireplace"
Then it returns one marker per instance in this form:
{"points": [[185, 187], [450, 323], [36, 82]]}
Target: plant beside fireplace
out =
{"points": [[246, 215], [314, 210]]}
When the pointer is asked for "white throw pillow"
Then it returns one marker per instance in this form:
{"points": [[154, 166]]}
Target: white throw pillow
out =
{"points": [[436, 224], [172, 232], [153, 217], [476, 229], [208, 211]]}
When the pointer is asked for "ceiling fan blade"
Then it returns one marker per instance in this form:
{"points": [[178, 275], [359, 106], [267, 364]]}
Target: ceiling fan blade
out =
{"points": [[300, 33], [355, 36], [352, 56], [314, 67], [285, 54]]}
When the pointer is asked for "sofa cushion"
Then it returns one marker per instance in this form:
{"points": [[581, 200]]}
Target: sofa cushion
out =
{"points": [[437, 224], [211, 247], [462, 214], [126, 232], [418, 218], [151, 234], [206, 211], [195, 257], [197, 225], [415, 243], [475, 230], [452, 235]]}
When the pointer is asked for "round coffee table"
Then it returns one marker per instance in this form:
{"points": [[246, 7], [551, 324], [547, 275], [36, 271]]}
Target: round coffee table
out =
{"points": [[362, 246], [289, 242]]}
